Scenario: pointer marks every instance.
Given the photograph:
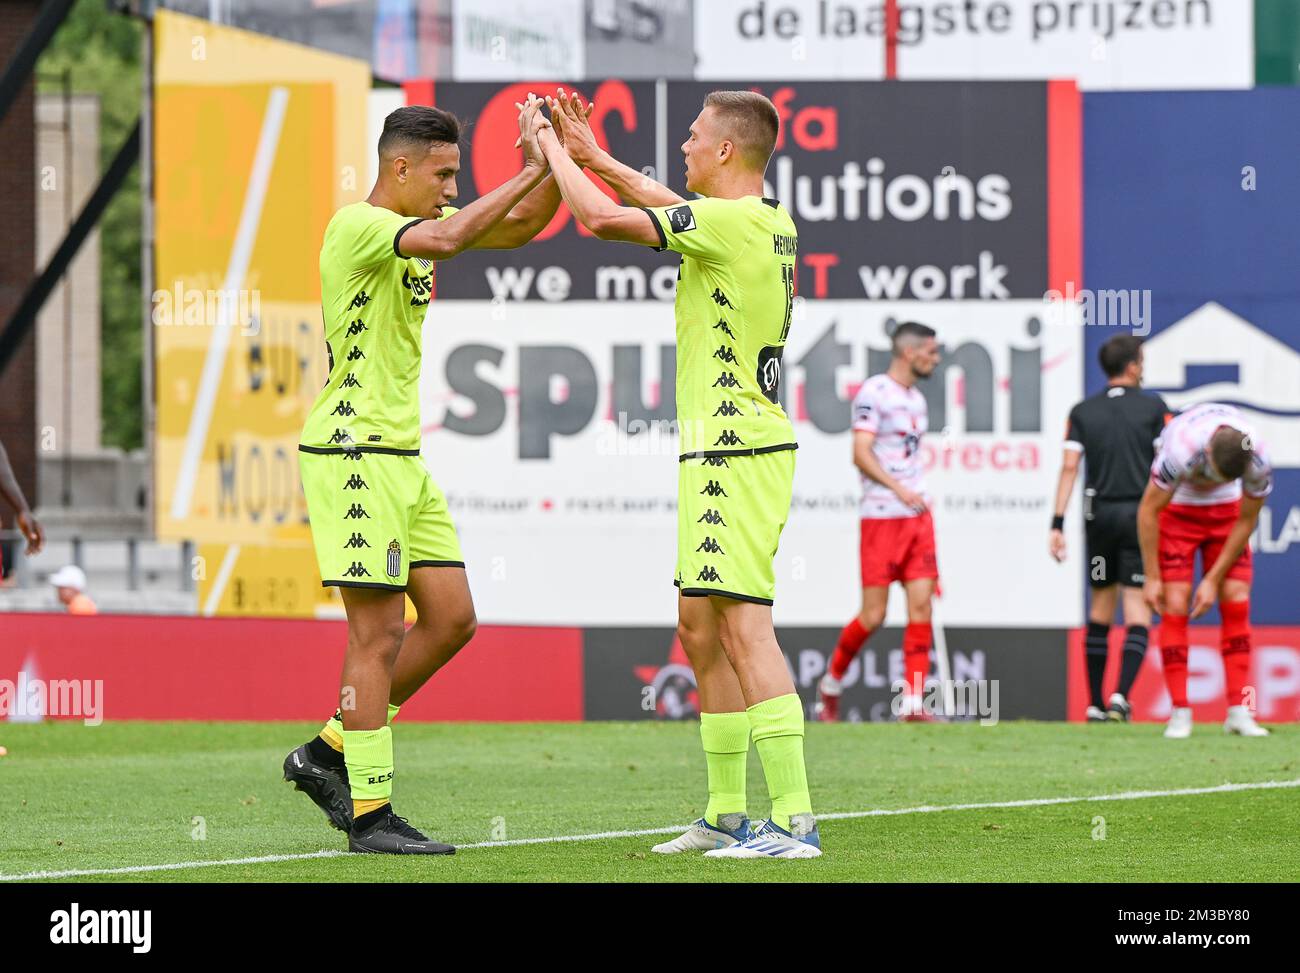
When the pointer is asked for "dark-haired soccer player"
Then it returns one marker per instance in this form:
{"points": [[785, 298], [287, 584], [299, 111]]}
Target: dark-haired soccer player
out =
{"points": [[1114, 433], [735, 290], [379, 523], [1208, 457], [897, 532]]}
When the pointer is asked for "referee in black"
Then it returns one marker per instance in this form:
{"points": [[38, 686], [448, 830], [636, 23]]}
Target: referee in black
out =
{"points": [[1114, 431]]}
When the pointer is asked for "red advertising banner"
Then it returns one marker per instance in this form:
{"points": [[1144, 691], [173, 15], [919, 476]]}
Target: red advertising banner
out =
{"points": [[1275, 675], [166, 668]]}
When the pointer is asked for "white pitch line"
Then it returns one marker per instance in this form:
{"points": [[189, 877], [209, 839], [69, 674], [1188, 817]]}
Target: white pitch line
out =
{"points": [[214, 361], [645, 832]]}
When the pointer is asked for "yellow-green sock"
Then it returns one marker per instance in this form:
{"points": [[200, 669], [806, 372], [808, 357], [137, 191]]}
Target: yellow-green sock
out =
{"points": [[369, 756], [332, 732], [726, 747], [777, 727]]}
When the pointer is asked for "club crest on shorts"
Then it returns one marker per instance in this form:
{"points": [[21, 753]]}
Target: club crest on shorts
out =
{"points": [[394, 559]]}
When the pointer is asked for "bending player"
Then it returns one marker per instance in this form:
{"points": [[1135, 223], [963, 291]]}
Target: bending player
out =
{"points": [[1207, 458], [897, 532], [379, 523], [735, 291]]}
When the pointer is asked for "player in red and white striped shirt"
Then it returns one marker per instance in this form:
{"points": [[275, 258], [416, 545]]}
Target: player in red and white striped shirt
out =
{"points": [[1207, 458], [897, 533]]}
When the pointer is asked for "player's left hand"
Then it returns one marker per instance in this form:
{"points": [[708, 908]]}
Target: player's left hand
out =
{"points": [[1056, 545], [1207, 592], [32, 530], [531, 122]]}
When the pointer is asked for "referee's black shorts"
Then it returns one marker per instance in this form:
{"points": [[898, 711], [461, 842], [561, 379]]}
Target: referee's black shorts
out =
{"points": [[1114, 555]]}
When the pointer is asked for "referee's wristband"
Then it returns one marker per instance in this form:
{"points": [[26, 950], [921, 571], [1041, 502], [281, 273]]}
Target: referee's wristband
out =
{"points": [[1058, 522]]}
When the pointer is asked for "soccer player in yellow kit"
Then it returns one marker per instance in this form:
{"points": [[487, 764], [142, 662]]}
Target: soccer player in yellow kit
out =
{"points": [[379, 523], [735, 291]]}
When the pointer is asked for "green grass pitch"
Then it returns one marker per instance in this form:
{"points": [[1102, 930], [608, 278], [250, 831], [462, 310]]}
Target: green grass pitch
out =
{"points": [[132, 794]]}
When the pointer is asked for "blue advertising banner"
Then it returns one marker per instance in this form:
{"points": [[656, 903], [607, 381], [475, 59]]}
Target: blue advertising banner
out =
{"points": [[1190, 201]]}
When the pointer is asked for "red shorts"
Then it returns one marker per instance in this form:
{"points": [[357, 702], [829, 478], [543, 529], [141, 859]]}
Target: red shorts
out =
{"points": [[897, 549], [1186, 528]]}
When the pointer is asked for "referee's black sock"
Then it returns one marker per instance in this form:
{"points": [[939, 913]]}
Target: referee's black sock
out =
{"points": [[1135, 650], [1097, 646]]}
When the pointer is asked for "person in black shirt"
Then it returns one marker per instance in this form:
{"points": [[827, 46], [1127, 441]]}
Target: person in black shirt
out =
{"points": [[1115, 431]]}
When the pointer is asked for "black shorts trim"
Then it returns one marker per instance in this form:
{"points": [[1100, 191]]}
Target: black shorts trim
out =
{"points": [[398, 238], [705, 592], [757, 451], [435, 564], [379, 585], [663, 240], [334, 450]]}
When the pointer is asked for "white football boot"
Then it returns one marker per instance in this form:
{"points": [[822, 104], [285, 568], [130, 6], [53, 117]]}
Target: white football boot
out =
{"points": [[701, 836], [1240, 721], [1179, 726], [773, 841]]}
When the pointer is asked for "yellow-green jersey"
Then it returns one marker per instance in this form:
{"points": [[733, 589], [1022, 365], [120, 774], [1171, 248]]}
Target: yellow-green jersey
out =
{"points": [[735, 291], [374, 299]]}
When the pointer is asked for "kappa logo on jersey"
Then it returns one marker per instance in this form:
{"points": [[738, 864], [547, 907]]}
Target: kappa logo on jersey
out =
{"points": [[356, 483], [713, 489], [358, 570], [355, 353], [727, 409], [350, 382], [394, 566], [710, 546], [344, 408], [360, 301], [420, 287], [709, 573], [722, 326], [355, 328], [727, 380], [680, 219], [356, 540], [721, 299], [356, 512], [341, 436], [711, 516], [725, 355], [729, 438]]}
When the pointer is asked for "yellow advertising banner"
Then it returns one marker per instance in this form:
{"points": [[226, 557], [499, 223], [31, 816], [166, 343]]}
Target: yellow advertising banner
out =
{"points": [[257, 142]]}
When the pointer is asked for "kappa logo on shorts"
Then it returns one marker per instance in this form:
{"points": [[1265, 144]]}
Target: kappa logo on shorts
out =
{"points": [[725, 330], [350, 382], [680, 219], [713, 489], [710, 546], [352, 454], [725, 355], [341, 436], [709, 574], [711, 516], [344, 408], [727, 409], [394, 566], [356, 540], [355, 483], [716, 461], [729, 438], [358, 570], [727, 380], [356, 512]]}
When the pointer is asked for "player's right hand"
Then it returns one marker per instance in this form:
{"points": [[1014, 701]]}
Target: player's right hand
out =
{"points": [[913, 500], [32, 530], [572, 117], [1153, 593], [531, 122], [1056, 545]]}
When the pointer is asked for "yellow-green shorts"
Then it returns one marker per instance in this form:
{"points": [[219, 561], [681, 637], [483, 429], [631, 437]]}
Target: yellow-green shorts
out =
{"points": [[374, 516], [730, 514]]}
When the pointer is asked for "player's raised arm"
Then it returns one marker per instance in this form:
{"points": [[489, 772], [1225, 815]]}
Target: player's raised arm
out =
{"points": [[592, 208], [442, 239], [570, 118]]}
